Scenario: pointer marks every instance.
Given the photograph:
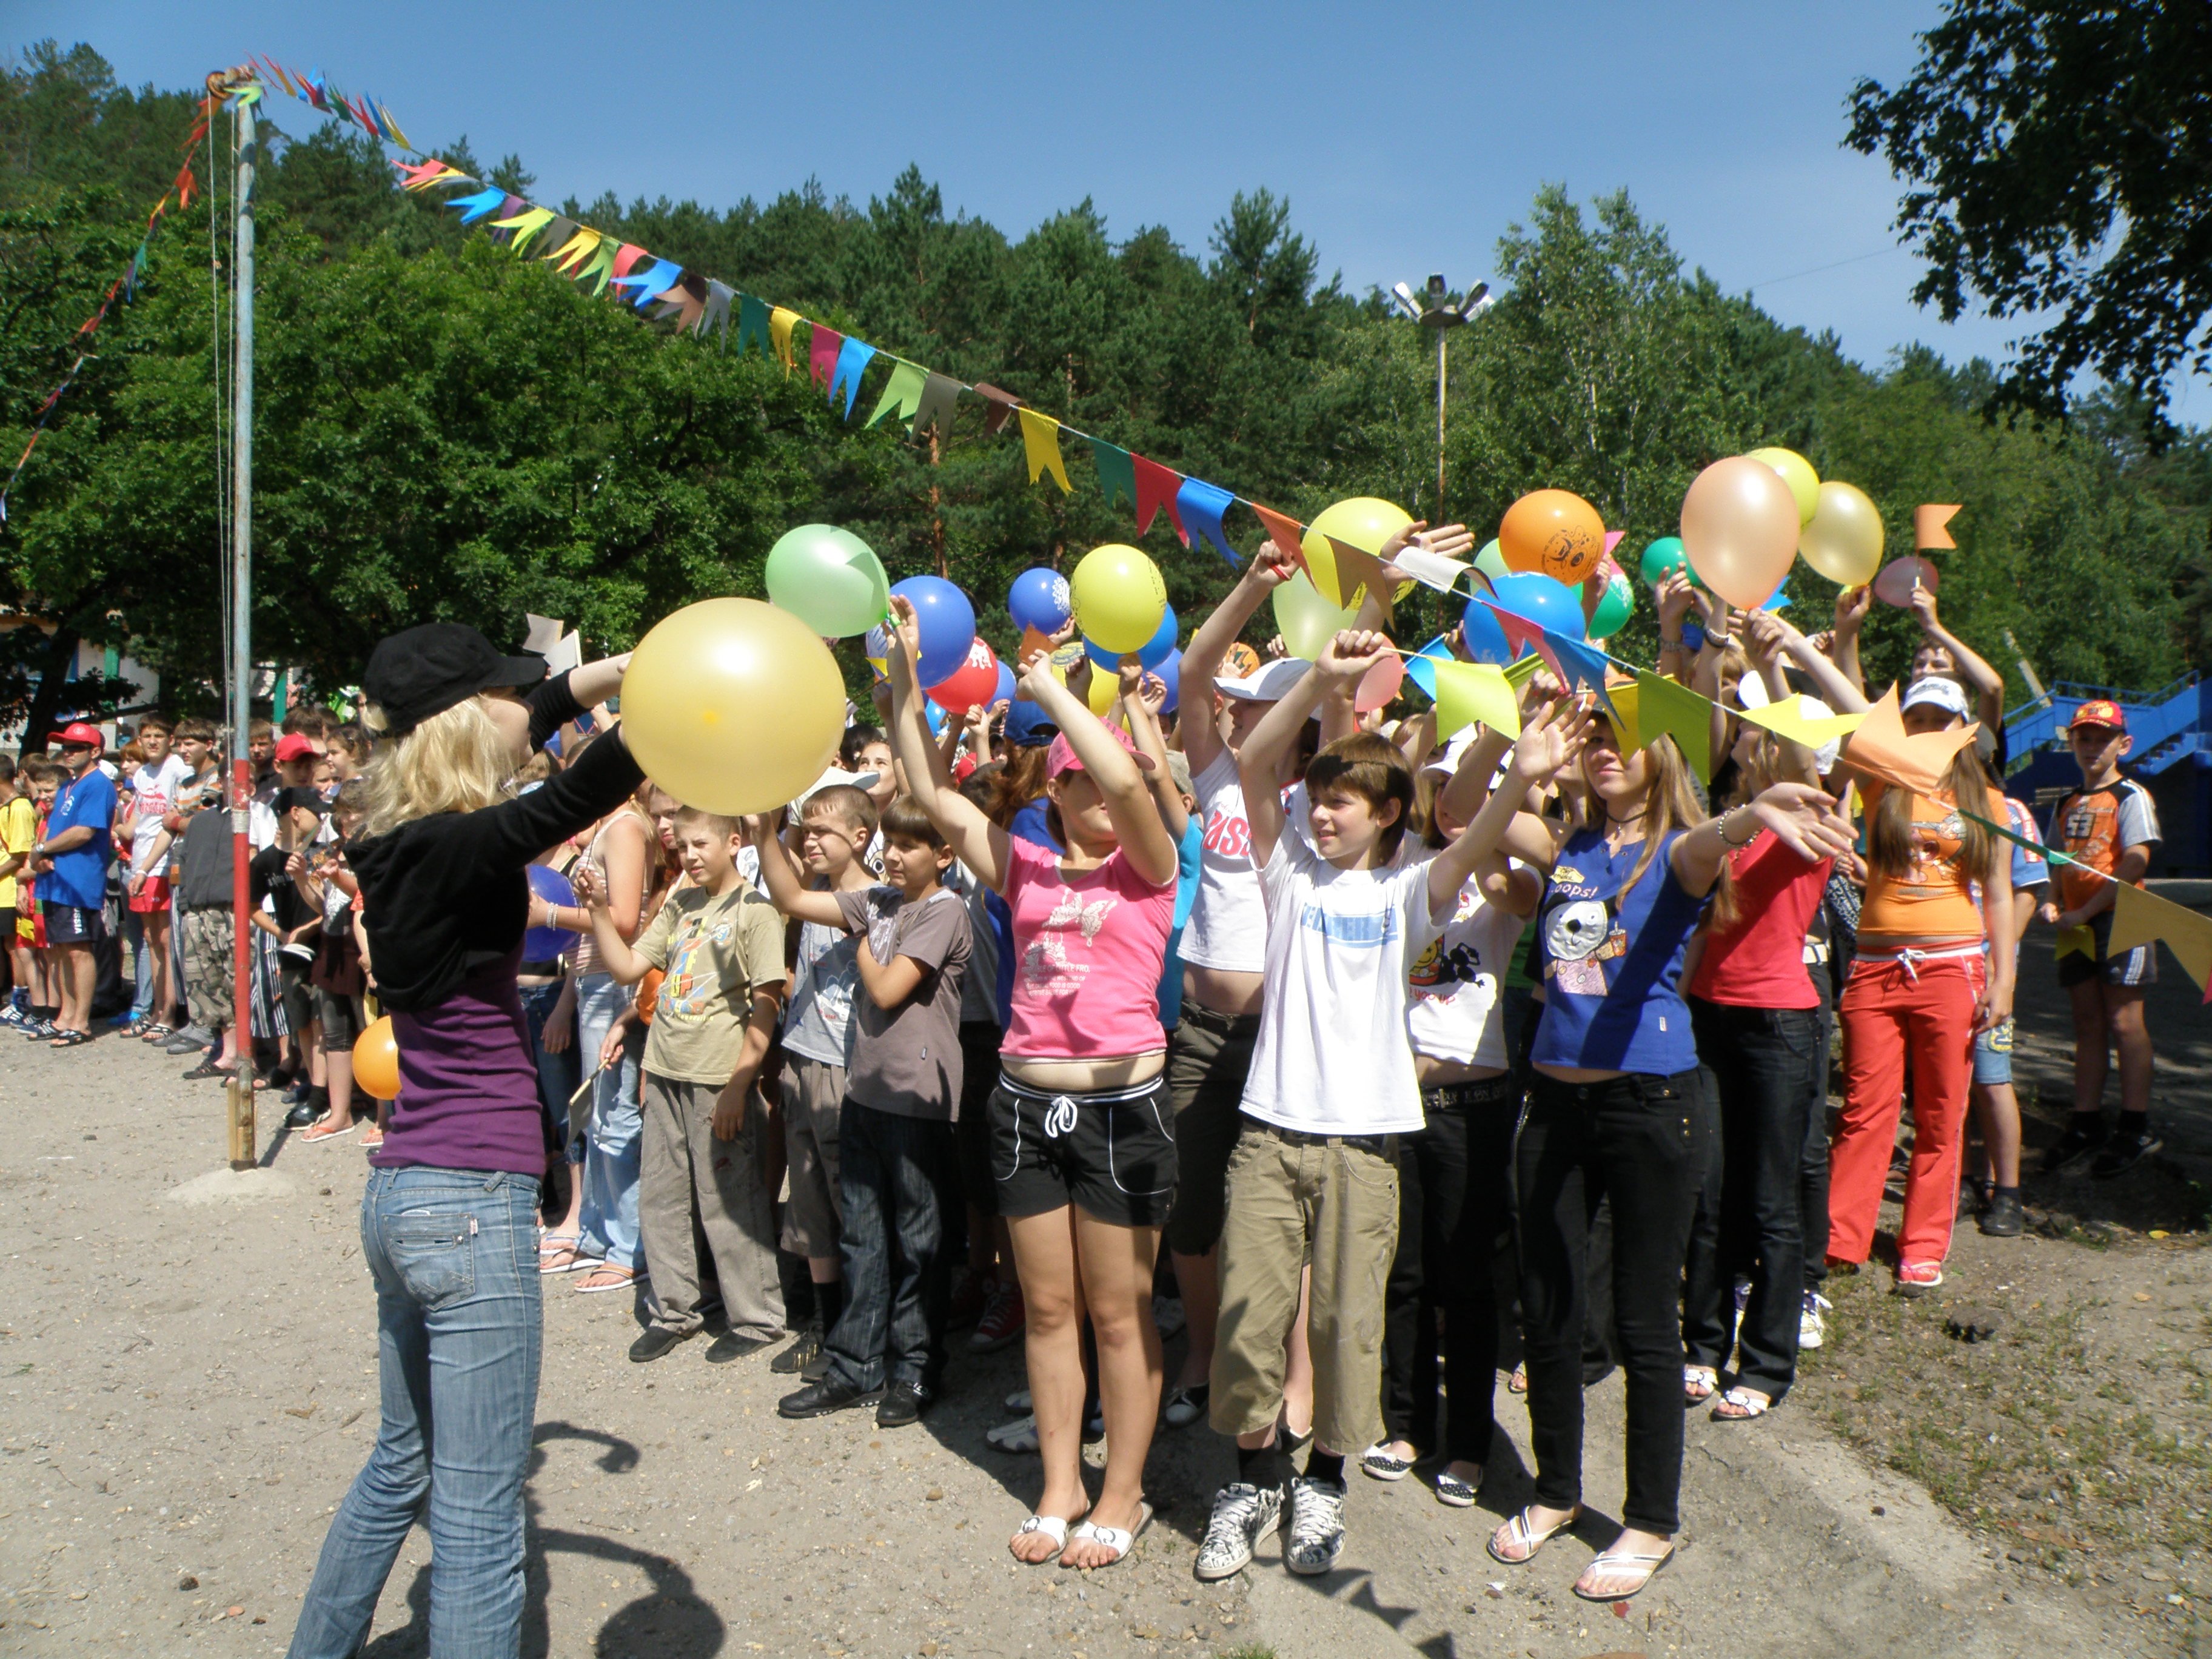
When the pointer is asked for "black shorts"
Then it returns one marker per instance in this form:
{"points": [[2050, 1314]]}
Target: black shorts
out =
{"points": [[1110, 1152], [73, 924], [2137, 967], [1209, 1056], [340, 1018], [972, 1133]]}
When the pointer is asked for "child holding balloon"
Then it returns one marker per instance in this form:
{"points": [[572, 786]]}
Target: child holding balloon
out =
{"points": [[1082, 1156]]}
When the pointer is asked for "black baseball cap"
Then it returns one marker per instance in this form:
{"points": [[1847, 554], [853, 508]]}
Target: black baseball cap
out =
{"points": [[426, 670]]}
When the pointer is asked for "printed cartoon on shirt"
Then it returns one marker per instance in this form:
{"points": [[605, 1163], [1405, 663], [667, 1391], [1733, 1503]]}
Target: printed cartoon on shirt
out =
{"points": [[1437, 973], [1581, 934], [692, 982], [1047, 967]]}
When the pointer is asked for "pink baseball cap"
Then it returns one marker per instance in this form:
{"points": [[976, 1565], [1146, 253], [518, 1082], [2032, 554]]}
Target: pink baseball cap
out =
{"points": [[1061, 757]]}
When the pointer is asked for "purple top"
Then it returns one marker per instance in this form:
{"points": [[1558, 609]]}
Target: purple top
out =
{"points": [[468, 1084]]}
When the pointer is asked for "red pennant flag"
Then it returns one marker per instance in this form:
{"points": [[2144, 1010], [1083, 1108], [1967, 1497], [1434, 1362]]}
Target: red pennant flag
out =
{"points": [[1156, 489], [1519, 632], [821, 354], [186, 186], [627, 255], [1284, 532]]}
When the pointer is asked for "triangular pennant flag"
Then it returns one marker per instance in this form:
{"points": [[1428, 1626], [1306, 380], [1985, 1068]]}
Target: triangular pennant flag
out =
{"points": [[557, 233], [1580, 665], [685, 302], [1430, 569], [716, 314], [902, 394], [473, 207], [1421, 666], [2139, 917], [392, 127], [1474, 693], [1357, 568], [852, 362], [1787, 718], [1117, 478], [1613, 540], [524, 225], [2082, 939], [600, 266], [1625, 705], [569, 256], [649, 282], [1929, 520], [1882, 749], [423, 175], [283, 79], [1283, 531], [1201, 505], [822, 354], [752, 325], [1156, 489], [317, 90], [998, 403], [780, 323], [1040, 444], [1522, 635], [1665, 708], [940, 396], [626, 258]]}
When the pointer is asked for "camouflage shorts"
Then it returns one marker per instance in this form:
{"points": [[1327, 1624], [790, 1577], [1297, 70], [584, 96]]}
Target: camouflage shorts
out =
{"points": [[207, 978]]}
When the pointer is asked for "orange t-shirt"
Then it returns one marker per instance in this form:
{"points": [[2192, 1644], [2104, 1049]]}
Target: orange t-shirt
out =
{"points": [[1934, 899], [2094, 826]]}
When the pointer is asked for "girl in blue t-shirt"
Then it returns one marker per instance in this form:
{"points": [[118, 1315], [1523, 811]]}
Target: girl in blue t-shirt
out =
{"points": [[1616, 1109]]}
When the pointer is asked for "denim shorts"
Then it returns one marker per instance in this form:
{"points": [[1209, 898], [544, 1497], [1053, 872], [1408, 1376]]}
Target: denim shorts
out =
{"points": [[1992, 1055]]}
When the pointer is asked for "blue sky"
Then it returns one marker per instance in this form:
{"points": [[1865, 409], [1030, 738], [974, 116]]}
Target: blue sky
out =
{"points": [[1407, 135]]}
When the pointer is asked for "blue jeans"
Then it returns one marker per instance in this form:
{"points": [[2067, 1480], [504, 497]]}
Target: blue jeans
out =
{"points": [[460, 1338], [559, 1072], [609, 1221], [141, 964], [897, 1180]]}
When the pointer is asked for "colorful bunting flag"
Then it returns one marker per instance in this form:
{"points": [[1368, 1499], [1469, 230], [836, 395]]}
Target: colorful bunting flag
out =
{"points": [[524, 225], [1041, 443], [392, 127], [1880, 748], [998, 403], [941, 397], [1474, 693], [599, 267], [1929, 520], [569, 256], [1200, 505], [1283, 531], [716, 314], [473, 207], [852, 362], [648, 282], [1788, 718], [1357, 568], [901, 393], [1665, 708], [779, 322], [822, 354], [1117, 476], [2139, 917], [1156, 488], [752, 325], [2082, 939]]}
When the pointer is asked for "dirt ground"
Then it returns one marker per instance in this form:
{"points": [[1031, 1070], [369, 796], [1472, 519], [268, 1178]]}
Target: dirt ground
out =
{"points": [[189, 1388]]}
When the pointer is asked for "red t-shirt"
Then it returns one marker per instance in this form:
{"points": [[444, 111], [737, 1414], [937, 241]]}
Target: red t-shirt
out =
{"points": [[1759, 961]]}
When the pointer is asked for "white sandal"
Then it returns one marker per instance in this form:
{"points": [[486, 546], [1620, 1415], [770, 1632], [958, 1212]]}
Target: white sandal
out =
{"points": [[1699, 1377], [1624, 1561], [1113, 1537], [1519, 1533], [1749, 1403], [1053, 1527]]}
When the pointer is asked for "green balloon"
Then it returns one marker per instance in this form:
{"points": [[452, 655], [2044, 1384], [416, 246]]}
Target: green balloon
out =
{"points": [[1662, 556], [1491, 561], [829, 579], [1614, 609]]}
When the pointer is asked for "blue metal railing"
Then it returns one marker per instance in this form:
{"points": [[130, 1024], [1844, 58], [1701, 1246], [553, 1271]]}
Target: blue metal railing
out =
{"points": [[2155, 720]]}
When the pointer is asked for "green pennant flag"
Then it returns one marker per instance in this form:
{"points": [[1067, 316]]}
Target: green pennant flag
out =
{"points": [[902, 392], [1665, 706], [2018, 840], [752, 325], [601, 265], [1521, 672], [1117, 473]]}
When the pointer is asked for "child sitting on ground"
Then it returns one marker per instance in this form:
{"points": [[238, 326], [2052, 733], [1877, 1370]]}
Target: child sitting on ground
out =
{"points": [[720, 946], [896, 1173]]}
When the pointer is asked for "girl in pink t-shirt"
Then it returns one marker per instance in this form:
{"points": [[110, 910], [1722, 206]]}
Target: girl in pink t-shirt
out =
{"points": [[1082, 1156]]}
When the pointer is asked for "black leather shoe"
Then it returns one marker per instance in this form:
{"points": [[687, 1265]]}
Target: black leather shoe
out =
{"points": [[655, 1340], [302, 1115], [902, 1403], [831, 1394], [730, 1346]]}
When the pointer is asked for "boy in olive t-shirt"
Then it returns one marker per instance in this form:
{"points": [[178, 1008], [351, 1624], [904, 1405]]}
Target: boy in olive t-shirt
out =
{"points": [[720, 944]]}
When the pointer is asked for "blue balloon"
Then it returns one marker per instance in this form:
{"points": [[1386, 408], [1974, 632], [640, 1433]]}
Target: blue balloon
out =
{"points": [[1540, 599], [1157, 649], [1005, 691], [1039, 600], [544, 944], [1169, 668], [1483, 635], [936, 716], [947, 623]]}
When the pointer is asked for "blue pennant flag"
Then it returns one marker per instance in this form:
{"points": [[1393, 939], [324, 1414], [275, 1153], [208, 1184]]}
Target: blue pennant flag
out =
{"points": [[852, 362], [473, 207], [1201, 505], [651, 282]]}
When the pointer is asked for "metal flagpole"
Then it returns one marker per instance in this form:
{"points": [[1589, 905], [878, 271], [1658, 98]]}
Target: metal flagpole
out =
{"points": [[244, 1144]]}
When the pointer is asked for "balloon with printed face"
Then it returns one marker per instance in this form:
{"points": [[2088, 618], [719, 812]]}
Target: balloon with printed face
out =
{"points": [[1039, 600], [1117, 598], [946, 623], [827, 578], [1551, 532]]}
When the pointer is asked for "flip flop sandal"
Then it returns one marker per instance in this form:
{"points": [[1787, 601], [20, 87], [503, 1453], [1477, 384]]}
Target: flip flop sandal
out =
{"points": [[1699, 1384], [1518, 1381], [70, 1039], [1624, 1561], [156, 1034], [314, 1134], [562, 1246], [1379, 1461], [1053, 1528], [1520, 1532], [1113, 1537], [1018, 1437], [1459, 1493], [625, 1282], [1749, 1403]]}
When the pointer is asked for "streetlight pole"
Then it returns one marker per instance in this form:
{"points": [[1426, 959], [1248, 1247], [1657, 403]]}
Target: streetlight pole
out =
{"points": [[244, 1142], [1436, 309]]}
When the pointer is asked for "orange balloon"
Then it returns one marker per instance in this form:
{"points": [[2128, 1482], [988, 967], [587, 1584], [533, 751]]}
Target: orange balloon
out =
{"points": [[1739, 530], [376, 1060], [1554, 532]]}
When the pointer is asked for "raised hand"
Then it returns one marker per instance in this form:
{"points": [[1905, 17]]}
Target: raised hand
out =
{"points": [[1675, 597], [1036, 671], [1762, 638], [906, 627], [1805, 821], [1551, 739], [1352, 653], [1152, 695], [1924, 609], [1271, 566], [1852, 605], [1131, 675]]}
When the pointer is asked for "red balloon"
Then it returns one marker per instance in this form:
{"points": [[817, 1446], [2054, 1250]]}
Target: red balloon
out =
{"points": [[973, 684]]}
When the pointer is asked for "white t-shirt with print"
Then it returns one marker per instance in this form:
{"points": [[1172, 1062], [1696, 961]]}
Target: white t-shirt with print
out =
{"points": [[1333, 1057], [156, 789], [1454, 1012], [1228, 924]]}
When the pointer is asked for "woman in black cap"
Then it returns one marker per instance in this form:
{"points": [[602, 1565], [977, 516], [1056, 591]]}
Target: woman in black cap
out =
{"points": [[448, 1220]]}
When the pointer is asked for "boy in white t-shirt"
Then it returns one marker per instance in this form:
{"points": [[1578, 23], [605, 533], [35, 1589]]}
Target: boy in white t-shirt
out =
{"points": [[154, 787], [1313, 1180]]}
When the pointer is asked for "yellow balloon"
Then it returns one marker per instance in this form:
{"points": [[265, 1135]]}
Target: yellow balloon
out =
{"points": [[1361, 521], [1843, 541], [1306, 621], [1797, 473], [1104, 689], [733, 706], [1117, 598]]}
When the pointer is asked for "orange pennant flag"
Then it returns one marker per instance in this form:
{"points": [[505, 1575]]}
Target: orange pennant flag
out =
{"points": [[1880, 748], [1928, 521], [1283, 531]]}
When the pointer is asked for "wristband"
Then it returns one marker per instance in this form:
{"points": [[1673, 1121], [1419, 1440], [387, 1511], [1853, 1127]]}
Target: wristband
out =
{"points": [[1747, 841]]}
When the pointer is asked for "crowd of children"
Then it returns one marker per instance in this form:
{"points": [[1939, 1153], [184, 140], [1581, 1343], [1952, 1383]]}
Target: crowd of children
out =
{"points": [[1402, 1046]]}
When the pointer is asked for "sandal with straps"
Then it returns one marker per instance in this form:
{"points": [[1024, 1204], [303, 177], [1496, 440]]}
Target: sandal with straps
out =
{"points": [[1114, 1538], [1748, 1403], [1699, 1384], [1624, 1561], [1053, 1527], [1520, 1532]]}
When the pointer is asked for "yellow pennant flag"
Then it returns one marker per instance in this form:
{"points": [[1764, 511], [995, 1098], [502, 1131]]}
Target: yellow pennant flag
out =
{"points": [[780, 323], [1627, 707], [1475, 693], [1787, 717], [1040, 442], [524, 225], [2139, 917], [1666, 709], [2082, 939], [1519, 673], [574, 251]]}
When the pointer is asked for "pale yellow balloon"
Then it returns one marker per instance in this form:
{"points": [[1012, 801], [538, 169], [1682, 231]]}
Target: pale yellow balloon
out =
{"points": [[1739, 530], [1362, 521], [1104, 688], [733, 706], [1117, 598], [1797, 473], [1843, 539], [1306, 621]]}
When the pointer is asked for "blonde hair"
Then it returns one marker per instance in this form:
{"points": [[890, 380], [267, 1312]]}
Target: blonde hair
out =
{"points": [[456, 761], [1669, 803]]}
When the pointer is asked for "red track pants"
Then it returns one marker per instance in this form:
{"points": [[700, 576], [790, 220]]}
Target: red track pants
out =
{"points": [[1892, 1010]]}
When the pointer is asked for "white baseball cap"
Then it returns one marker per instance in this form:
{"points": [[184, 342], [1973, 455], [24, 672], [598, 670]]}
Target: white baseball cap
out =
{"points": [[830, 779], [1270, 685], [1934, 691]]}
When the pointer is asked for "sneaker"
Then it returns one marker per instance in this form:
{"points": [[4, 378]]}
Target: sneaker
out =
{"points": [[655, 1340], [37, 1031], [11, 1015], [1811, 1330], [1185, 1405], [1168, 1315], [788, 1363], [1002, 1322], [902, 1403], [2122, 1153], [302, 1115], [1243, 1514], [1316, 1526], [1918, 1277], [1380, 1461], [2004, 1218], [2083, 1136]]}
